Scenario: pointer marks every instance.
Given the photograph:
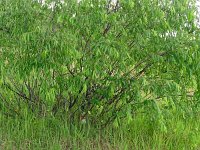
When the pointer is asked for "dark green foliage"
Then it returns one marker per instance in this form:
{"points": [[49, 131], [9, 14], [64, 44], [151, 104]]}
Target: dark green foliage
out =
{"points": [[89, 61]]}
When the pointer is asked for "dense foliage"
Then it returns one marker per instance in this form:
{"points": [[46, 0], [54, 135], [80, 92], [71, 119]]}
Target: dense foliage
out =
{"points": [[99, 61]]}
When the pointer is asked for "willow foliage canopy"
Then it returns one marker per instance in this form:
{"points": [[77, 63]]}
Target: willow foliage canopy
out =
{"points": [[99, 61]]}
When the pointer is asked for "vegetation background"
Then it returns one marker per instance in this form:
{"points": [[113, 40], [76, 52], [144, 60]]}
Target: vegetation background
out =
{"points": [[99, 75]]}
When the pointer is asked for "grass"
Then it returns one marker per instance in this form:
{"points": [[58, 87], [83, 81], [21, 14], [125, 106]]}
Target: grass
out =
{"points": [[53, 134]]}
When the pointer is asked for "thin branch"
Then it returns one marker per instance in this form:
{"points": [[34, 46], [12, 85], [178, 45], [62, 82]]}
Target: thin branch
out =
{"points": [[107, 28], [16, 92]]}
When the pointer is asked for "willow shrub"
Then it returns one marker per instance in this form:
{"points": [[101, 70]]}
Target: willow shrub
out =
{"points": [[99, 61]]}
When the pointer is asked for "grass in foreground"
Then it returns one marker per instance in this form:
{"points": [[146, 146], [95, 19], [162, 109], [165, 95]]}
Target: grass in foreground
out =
{"points": [[140, 134]]}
